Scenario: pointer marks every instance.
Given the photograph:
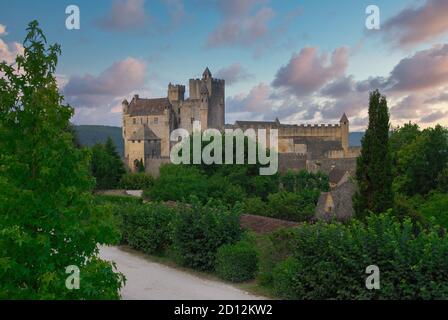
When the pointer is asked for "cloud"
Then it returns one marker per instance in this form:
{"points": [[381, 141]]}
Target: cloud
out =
{"points": [[243, 23], [115, 82], [233, 74], [9, 52], [435, 116], [426, 69], [3, 30], [125, 15], [415, 25], [308, 71]]}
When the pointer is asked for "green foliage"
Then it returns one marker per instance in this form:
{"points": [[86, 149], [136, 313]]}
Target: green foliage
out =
{"points": [[331, 259], [255, 206], [136, 181], [273, 249], [374, 171], [108, 199], [221, 188], [201, 229], [285, 280], [107, 166], [237, 262], [297, 206], [420, 164], [139, 166], [48, 219], [294, 181], [178, 183], [147, 227], [436, 207]]}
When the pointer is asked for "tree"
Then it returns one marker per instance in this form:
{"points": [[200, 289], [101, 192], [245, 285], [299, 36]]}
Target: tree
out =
{"points": [[48, 220], [107, 166], [374, 169], [420, 164]]}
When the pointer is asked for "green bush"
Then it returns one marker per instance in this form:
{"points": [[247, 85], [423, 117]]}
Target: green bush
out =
{"points": [[178, 183], [136, 181], [331, 259], [147, 227], [109, 199], [273, 249], [237, 262], [436, 208], [201, 229], [293, 206], [220, 188], [255, 206], [284, 277]]}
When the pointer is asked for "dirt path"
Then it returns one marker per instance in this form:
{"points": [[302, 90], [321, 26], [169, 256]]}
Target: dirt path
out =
{"points": [[148, 280]]}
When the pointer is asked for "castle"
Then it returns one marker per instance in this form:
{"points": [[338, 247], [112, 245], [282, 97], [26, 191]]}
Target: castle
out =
{"points": [[148, 123]]}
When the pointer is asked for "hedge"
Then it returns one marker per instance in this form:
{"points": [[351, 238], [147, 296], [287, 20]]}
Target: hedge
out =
{"points": [[147, 227], [330, 261], [201, 229], [237, 262]]}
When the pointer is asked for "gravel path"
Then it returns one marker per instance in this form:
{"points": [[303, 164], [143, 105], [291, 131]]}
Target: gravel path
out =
{"points": [[148, 280]]}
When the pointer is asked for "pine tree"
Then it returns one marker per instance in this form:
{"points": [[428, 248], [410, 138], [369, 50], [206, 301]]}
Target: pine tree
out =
{"points": [[374, 168], [48, 218]]}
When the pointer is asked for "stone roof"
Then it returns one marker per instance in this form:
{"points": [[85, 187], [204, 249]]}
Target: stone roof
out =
{"points": [[336, 175], [341, 198], [207, 73], [144, 133], [344, 118], [143, 107]]}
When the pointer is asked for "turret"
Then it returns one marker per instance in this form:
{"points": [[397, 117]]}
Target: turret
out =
{"points": [[344, 123], [125, 105], [207, 74]]}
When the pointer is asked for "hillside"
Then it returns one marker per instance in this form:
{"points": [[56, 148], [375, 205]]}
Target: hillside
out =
{"points": [[89, 135]]}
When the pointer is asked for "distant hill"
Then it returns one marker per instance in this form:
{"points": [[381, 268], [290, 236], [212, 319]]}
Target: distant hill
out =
{"points": [[355, 138], [89, 135]]}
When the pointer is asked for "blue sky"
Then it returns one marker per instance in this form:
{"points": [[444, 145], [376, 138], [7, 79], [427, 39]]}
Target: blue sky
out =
{"points": [[303, 61]]}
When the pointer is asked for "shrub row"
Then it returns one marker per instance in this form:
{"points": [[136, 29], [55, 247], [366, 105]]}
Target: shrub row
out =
{"points": [[194, 232], [329, 261]]}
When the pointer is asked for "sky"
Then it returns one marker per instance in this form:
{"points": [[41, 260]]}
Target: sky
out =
{"points": [[297, 60]]}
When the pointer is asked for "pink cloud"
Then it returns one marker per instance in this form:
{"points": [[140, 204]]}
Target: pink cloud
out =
{"points": [[118, 80], [233, 74], [125, 15], [418, 24], [426, 69], [308, 71]]}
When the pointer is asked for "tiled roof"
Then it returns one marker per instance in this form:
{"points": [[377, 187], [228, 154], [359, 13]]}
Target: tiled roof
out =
{"points": [[143, 107]]}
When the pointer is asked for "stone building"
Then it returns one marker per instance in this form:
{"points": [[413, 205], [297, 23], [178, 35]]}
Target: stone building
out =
{"points": [[313, 147], [148, 123]]}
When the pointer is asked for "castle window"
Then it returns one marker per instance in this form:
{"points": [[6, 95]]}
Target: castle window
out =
{"points": [[156, 120], [192, 120], [139, 141], [134, 121]]}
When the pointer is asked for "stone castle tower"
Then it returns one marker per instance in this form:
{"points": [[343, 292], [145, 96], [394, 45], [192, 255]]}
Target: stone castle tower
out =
{"points": [[147, 123]]}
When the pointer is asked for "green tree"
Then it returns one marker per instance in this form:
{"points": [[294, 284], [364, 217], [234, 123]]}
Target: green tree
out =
{"points": [[48, 220], [374, 169], [420, 164], [107, 166]]}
